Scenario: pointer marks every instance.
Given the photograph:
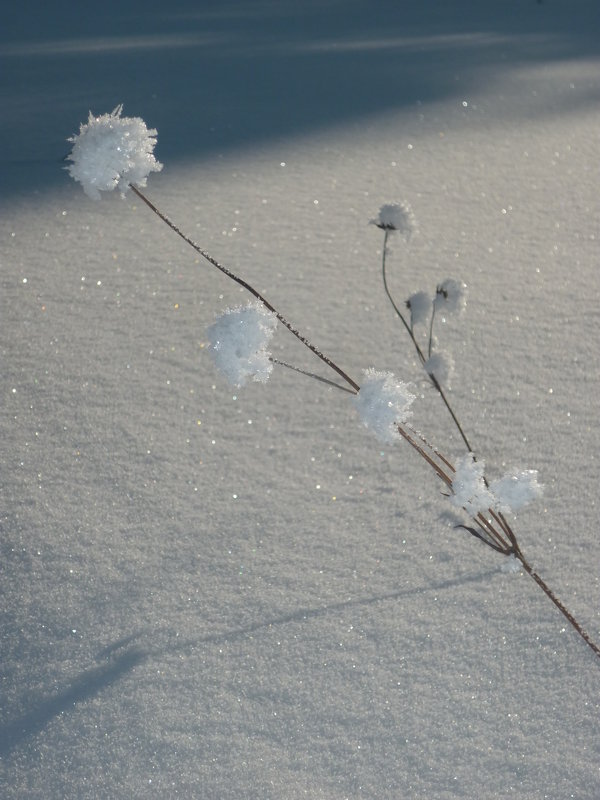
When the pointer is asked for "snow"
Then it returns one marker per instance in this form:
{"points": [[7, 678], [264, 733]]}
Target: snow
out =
{"points": [[383, 402], [238, 343], [441, 365], [217, 593], [112, 151], [450, 297], [468, 486], [420, 304], [397, 217], [517, 489]]}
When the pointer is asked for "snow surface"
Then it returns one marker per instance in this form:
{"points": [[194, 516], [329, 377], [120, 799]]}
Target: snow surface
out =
{"points": [[210, 593]]}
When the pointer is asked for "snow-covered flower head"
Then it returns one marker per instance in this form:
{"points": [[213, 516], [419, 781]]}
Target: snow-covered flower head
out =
{"points": [[382, 403], [441, 366], [396, 217], [516, 489], [238, 343], [451, 296], [507, 494], [419, 305], [112, 151], [468, 486]]}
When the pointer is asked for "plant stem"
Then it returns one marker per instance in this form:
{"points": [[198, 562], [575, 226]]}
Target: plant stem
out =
{"points": [[248, 287], [391, 299], [312, 375], [564, 611], [431, 329], [443, 470], [422, 358]]}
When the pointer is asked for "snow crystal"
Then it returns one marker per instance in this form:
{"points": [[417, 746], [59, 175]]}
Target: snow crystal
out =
{"points": [[382, 403], [451, 296], [516, 489], [238, 341], [419, 305], [468, 486], [396, 217], [441, 365], [112, 151]]}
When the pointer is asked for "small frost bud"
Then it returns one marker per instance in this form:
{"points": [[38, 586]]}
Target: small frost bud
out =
{"points": [[419, 304], [112, 152], [382, 403], [238, 343], [450, 296], [396, 217], [441, 366]]}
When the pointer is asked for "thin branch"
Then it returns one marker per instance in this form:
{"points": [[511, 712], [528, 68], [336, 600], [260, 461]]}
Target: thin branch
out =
{"points": [[312, 375], [391, 299], [248, 287], [564, 611], [425, 450]]}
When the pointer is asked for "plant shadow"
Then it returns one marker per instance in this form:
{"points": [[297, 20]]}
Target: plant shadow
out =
{"points": [[88, 684]]}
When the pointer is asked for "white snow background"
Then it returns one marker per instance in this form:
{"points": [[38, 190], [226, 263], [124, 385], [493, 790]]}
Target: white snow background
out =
{"points": [[220, 594]]}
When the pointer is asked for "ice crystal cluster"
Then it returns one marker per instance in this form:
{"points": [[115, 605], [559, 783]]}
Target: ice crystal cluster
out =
{"points": [[238, 343], [382, 403], [508, 494], [112, 152], [450, 297], [396, 217]]}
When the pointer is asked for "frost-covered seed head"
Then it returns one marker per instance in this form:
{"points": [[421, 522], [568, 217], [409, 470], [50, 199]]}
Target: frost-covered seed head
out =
{"points": [[419, 305], [516, 490], [238, 343], [112, 151], [441, 366], [451, 296], [382, 403], [396, 217], [468, 486]]}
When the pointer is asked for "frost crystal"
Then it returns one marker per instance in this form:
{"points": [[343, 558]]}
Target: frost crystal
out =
{"points": [[468, 486], [419, 305], [441, 365], [516, 489], [450, 296], [396, 217], [382, 403], [112, 151], [238, 341]]}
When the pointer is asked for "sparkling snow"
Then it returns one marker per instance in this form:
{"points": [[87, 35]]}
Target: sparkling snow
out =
{"points": [[194, 606]]}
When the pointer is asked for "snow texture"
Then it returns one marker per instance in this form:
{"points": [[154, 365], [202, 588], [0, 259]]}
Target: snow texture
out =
{"points": [[383, 402], [238, 343], [111, 151], [219, 595]]}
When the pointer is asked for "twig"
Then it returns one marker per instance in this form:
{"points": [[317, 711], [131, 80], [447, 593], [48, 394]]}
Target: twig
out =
{"points": [[439, 464], [248, 287]]}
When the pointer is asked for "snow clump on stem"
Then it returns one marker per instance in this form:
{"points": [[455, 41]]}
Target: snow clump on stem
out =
{"points": [[383, 402], [516, 489], [396, 217], [441, 366], [238, 343], [419, 305], [450, 297], [111, 152], [468, 486]]}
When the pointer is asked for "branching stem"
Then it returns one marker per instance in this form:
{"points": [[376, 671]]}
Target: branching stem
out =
{"points": [[438, 463], [248, 288]]}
